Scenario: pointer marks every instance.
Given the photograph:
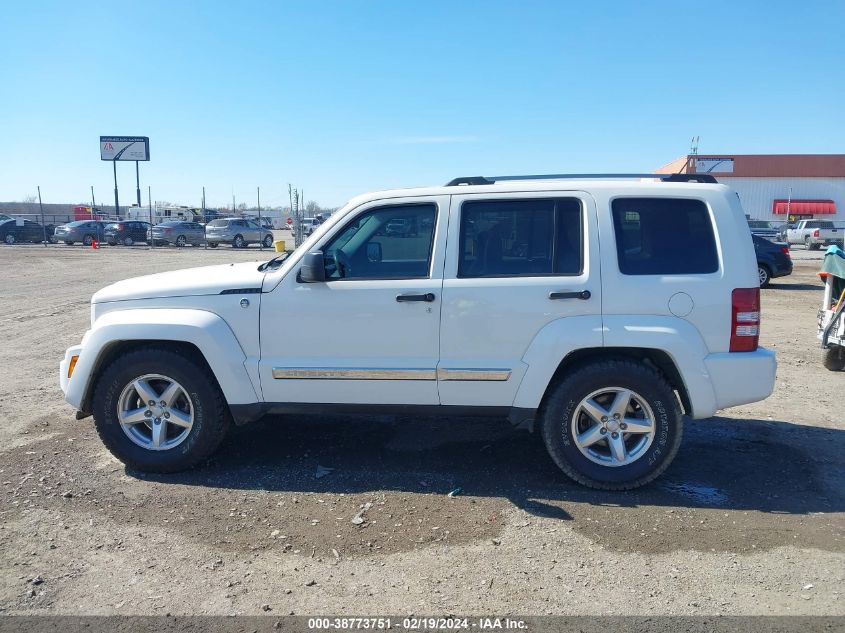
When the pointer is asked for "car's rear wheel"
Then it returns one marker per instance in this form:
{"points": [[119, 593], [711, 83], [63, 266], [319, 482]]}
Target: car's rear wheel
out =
{"points": [[88, 240], [181, 241], [9, 239], [268, 241], [612, 425], [128, 241], [239, 241], [159, 411], [833, 358], [764, 274]]}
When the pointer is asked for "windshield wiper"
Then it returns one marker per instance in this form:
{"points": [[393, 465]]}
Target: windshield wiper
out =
{"points": [[275, 262]]}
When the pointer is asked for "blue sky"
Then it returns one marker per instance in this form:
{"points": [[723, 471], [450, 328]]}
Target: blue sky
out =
{"points": [[344, 97]]}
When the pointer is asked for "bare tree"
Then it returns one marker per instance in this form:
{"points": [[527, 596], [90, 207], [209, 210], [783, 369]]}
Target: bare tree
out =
{"points": [[312, 209], [30, 199]]}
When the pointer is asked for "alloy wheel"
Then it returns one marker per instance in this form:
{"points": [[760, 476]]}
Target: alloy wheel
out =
{"points": [[155, 412], [613, 426]]}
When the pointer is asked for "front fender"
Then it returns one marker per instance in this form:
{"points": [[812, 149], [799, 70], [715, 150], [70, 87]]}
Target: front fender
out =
{"points": [[206, 330]]}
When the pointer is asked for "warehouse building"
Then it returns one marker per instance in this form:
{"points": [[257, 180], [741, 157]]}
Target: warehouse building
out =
{"points": [[776, 187]]}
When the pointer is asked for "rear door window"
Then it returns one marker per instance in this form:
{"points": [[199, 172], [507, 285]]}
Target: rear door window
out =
{"points": [[521, 238], [664, 236]]}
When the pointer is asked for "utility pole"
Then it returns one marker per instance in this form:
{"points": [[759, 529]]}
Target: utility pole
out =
{"points": [[260, 221], [137, 185], [41, 206], [150, 203], [233, 203], [116, 201], [93, 199]]}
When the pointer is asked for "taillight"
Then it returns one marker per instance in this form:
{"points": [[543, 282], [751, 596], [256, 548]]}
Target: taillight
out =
{"points": [[745, 319], [817, 233], [785, 250]]}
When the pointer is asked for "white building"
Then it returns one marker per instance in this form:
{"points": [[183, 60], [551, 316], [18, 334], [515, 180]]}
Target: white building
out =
{"points": [[776, 187]]}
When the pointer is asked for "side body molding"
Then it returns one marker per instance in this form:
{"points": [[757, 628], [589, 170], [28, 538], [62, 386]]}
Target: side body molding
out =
{"points": [[209, 332]]}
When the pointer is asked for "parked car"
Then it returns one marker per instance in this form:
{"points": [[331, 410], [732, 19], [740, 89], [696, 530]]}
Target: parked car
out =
{"points": [[126, 232], [85, 231], [598, 311], [401, 227], [773, 259], [309, 225], [15, 230], [815, 233], [178, 233], [239, 232], [762, 228]]}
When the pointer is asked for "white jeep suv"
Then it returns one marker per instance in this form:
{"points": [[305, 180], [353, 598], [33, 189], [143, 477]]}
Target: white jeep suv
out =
{"points": [[598, 310]]}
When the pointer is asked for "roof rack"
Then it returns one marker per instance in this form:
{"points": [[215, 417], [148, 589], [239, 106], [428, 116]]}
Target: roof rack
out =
{"points": [[489, 180]]}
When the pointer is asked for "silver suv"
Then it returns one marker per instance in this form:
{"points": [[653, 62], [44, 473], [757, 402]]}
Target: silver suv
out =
{"points": [[240, 232]]}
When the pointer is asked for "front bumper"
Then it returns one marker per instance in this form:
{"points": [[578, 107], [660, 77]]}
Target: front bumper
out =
{"points": [[741, 377], [64, 380]]}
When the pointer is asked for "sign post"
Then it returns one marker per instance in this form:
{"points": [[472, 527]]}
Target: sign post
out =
{"points": [[115, 148]]}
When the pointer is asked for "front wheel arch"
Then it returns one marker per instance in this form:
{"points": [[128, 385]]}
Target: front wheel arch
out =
{"points": [[119, 348]]}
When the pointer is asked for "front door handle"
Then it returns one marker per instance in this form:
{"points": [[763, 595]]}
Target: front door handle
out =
{"points": [[429, 297], [583, 295]]}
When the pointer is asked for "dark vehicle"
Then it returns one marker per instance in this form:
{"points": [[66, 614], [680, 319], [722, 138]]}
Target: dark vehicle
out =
{"points": [[127, 232], [13, 231], [762, 228], [85, 231], [773, 259], [177, 232]]}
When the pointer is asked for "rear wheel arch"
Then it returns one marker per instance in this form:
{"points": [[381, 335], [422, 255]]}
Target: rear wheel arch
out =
{"points": [[652, 357]]}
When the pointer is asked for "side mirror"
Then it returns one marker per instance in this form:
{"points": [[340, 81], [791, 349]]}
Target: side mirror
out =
{"points": [[374, 252], [313, 268]]}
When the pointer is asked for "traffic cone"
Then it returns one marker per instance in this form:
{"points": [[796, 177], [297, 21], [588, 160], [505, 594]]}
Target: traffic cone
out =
{"points": [[94, 244]]}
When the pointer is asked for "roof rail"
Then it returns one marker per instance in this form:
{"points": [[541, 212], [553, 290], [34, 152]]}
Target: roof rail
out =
{"points": [[489, 180]]}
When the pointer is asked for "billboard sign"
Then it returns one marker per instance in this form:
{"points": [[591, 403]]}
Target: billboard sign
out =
{"points": [[124, 148], [711, 165]]}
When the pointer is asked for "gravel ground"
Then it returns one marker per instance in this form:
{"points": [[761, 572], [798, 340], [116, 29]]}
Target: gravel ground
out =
{"points": [[748, 520]]}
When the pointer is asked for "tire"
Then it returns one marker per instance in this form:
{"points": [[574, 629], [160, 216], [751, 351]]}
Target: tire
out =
{"points": [[268, 241], [69, 243], [833, 358], [815, 247], [210, 415], [88, 240], [181, 241], [112, 243], [562, 411], [128, 241], [764, 274], [239, 242], [212, 244], [9, 239]]}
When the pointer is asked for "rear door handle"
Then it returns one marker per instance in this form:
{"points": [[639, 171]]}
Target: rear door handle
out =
{"points": [[429, 297], [583, 295]]}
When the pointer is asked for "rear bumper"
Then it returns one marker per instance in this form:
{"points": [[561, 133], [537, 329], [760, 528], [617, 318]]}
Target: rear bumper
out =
{"points": [[741, 377]]}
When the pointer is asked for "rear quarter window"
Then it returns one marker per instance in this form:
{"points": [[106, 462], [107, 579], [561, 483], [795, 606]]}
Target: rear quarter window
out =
{"points": [[664, 236]]}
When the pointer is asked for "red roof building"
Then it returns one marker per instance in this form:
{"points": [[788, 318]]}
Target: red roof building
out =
{"points": [[779, 187]]}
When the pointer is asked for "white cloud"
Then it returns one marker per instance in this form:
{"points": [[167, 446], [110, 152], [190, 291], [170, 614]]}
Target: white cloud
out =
{"points": [[431, 140]]}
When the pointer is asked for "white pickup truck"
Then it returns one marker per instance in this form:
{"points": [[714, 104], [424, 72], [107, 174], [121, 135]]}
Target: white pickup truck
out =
{"points": [[558, 302], [815, 233]]}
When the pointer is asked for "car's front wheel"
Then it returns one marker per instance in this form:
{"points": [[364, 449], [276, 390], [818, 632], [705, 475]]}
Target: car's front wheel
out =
{"points": [[239, 242], [9, 239], [268, 241], [88, 240], [833, 358], [157, 410], [612, 425], [128, 241], [181, 241]]}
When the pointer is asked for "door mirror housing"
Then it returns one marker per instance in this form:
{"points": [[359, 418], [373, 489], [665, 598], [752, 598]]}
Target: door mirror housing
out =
{"points": [[313, 268], [374, 252]]}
